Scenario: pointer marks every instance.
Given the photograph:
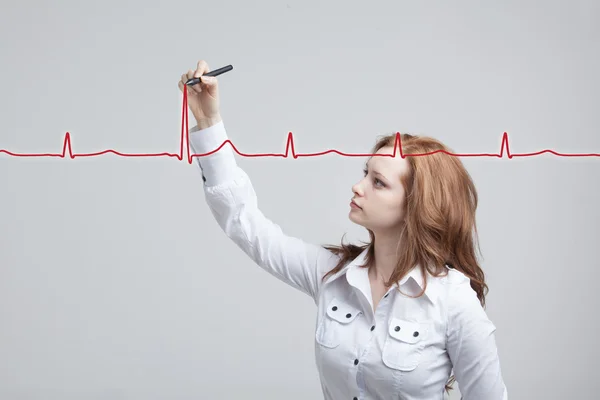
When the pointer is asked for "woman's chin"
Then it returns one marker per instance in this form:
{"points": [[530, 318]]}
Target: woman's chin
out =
{"points": [[352, 217]]}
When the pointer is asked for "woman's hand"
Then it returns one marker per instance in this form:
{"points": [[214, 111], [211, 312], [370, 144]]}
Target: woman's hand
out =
{"points": [[203, 97]]}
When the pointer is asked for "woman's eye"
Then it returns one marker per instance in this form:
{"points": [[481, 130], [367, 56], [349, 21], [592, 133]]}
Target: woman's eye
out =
{"points": [[375, 180]]}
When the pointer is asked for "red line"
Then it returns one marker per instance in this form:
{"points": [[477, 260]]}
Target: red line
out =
{"points": [[67, 150]]}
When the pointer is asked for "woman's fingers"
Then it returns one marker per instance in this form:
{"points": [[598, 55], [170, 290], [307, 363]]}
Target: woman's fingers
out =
{"points": [[186, 77], [201, 69]]}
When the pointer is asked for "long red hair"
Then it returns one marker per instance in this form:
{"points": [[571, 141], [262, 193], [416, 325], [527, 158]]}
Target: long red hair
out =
{"points": [[439, 214]]}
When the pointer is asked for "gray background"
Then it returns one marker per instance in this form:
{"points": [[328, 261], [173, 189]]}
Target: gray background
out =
{"points": [[116, 282]]}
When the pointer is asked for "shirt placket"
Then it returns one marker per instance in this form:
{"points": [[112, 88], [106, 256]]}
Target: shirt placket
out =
{"points": [[378, 317]]}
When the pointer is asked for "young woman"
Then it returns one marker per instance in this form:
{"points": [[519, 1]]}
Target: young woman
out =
{"points": [[398, 315]]}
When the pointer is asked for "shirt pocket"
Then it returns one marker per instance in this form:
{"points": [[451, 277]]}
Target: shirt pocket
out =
{"points": [[404, 344], [337, 322]]}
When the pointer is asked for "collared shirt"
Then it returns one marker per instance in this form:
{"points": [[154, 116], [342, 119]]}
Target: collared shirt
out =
{"points": [[405, 349]]}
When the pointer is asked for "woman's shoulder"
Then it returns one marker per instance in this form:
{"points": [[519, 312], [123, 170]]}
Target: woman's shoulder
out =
{"points": [[451, 285], [453, 277], [459, 295], [447, 279]]}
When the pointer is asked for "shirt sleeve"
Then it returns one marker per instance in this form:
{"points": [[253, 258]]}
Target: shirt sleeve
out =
{"points": [[233, 202], [471, 345]]}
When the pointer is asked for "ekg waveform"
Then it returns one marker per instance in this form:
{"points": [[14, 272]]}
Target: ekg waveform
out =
{"points": [[68, 152]]}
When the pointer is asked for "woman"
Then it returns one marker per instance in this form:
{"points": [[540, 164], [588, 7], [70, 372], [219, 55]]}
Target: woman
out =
{"points": [[398, 315]]}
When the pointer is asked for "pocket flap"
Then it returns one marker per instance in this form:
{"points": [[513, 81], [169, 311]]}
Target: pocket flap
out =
{"points": [[341, 311], [406, 331]]}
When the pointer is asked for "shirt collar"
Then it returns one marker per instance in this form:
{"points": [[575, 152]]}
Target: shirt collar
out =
{"points": [[352, 271]]}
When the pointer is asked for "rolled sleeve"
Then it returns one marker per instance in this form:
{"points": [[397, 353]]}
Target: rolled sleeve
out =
{"points": [[220, 166]]}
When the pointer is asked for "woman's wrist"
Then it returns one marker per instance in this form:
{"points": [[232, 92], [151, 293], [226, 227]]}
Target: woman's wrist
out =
{"points": [[204, 123]]}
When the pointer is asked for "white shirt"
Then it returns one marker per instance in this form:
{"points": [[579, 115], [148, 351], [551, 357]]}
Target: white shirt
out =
{"points": [[406, 349]]}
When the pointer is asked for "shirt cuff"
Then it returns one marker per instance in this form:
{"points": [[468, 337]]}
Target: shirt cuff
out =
{"points": [[220, 166]]}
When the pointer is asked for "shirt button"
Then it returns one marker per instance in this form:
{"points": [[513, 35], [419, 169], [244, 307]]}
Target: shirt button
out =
{"points": [[356, 361], [356, 398], [386, 295], [348, 315], [373, 327], [334, 308], [397, 328]]}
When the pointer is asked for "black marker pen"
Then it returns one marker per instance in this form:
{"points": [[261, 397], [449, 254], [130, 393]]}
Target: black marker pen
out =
{"points": [[216, 72]]}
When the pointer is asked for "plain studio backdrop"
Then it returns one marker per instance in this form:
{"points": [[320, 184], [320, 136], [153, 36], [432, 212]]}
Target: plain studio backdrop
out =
{"points": [[117, 283]]}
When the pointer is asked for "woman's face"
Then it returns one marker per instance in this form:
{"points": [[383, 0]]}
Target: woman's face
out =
{"points": [[380, 193]]}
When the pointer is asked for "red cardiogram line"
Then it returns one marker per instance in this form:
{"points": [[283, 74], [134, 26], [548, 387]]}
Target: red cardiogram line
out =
{"points": [[68, 151]]}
